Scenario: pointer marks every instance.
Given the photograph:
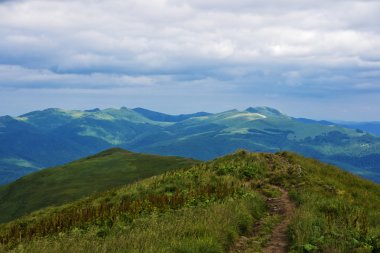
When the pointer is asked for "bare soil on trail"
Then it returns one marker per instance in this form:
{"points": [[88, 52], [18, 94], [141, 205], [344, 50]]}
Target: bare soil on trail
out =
{"points": [[279, 240]]}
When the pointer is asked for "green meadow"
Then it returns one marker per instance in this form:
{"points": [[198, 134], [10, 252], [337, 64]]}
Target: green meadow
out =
{"points": [[208, 207]]}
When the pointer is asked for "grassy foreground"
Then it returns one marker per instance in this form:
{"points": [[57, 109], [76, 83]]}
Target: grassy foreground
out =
{"points": [[207, 207], [337, 211]]}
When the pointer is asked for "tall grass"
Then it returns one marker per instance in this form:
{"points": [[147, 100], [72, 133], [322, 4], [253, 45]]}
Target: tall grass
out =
{"points": [[208, 229], [95, 174], [196, 187], [106, 211], [206, 208], [337, 211]]}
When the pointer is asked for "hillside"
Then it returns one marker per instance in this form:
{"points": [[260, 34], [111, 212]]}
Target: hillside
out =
{"points": [[163, 117], [225, 205], [103, 171], [370, 127], [52, 137]]}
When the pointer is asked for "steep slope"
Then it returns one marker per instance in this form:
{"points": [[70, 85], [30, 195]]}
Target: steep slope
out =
{"points": [[212, 207], [267, 111], [104, 171], [54, 136], [12, 163]]}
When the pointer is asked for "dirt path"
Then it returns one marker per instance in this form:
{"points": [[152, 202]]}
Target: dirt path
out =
{"points": [[278, 242]]}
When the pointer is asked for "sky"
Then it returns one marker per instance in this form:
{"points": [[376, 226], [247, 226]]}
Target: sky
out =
{"points": [[315, 59]]}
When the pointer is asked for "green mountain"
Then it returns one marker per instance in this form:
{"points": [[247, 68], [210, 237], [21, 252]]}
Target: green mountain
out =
{"points": [[103, 171], [52, 137], [370, 127], [243, 202], [158, 116]]}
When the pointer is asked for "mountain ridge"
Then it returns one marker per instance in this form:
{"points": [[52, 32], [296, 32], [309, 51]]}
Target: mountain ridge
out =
{"points": [[55, 136]]}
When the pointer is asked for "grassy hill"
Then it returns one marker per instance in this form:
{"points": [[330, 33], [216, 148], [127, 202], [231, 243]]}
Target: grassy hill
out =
{"points": [[52, 137], [212, 207], [103, 171]]}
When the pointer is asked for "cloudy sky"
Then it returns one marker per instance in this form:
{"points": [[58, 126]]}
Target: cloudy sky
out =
{"points": [[317, 59]]}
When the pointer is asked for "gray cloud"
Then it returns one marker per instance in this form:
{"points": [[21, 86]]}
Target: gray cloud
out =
{"points": [[287, 48]]}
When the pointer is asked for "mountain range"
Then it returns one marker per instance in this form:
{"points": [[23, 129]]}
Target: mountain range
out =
{"points": [[54, 136]]}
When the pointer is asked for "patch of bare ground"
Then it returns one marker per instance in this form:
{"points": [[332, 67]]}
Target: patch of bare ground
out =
{"points": [[277, 240]]}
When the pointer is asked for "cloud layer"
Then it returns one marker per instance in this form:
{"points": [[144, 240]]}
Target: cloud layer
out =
{"points": [[287, 49]]}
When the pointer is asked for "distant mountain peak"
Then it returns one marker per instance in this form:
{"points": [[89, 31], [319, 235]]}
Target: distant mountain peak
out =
{"points": [[266, 111], [6, 118]]}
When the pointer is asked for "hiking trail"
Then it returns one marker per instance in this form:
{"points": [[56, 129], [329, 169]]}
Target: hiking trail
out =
{"points": [[278, 242]]}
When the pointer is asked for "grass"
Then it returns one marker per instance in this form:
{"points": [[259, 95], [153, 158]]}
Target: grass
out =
{"points": [[204, 192], [202, 229], [262, 236], [106, 170], [207, 208], [337, 211]]}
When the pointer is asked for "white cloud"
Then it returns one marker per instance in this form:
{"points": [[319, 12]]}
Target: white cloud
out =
{"points": [[292, 46], [156, 32]]}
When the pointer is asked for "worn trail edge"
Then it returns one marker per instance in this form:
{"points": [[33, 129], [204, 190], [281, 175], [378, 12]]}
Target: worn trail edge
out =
{"points": [[279, 242]]}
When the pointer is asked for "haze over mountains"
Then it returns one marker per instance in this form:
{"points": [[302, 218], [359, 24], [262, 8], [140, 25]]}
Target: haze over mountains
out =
{"points": [[52, 137], [370, 127]]}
